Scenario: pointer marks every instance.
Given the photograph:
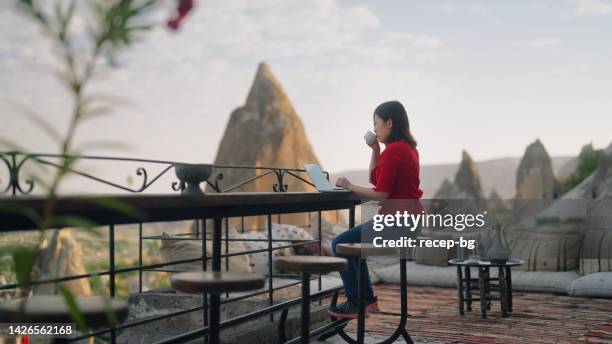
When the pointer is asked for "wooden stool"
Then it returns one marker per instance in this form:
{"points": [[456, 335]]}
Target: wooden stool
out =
{"points": [[362, 251], [308, 265], [53, 309], [215, 283]]}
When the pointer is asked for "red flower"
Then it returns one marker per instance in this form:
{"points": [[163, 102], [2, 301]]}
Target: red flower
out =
{"points": [[184, 7]]}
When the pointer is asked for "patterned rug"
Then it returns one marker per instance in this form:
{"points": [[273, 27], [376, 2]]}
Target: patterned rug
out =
{"points": [[536, 318]]}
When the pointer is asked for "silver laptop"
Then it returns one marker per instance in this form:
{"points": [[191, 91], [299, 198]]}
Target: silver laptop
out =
{"points": [[318, 179]]}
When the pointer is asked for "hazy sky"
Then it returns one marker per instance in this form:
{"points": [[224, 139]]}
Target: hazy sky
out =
{"points": [[486, 76]]}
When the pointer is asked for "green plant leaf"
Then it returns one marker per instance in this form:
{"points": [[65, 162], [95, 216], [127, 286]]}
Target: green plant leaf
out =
{"points": [[30, 8], [97, 286], [68, 162], [73, 308], [27, 3], [23, 260], [65, 18]]}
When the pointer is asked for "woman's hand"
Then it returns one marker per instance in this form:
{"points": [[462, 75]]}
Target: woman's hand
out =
{"points": [[374, 145], [360, 190], [343, 183]]}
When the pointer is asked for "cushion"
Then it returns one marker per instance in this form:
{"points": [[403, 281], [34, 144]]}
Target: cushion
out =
{"points": [[596, 251], [418, 274], [328, 230], [542, 281], [172, 249], [293, 233], [599, 214], [537, 281], [593, 285], [545, 251], [289, 232], [259, 261]]}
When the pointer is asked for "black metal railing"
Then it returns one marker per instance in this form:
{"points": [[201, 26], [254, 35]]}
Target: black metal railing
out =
{"points": [[18, 184], [161, 208]]}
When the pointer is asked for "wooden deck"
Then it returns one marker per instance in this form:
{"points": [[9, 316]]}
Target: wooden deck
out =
{"points": [[537, 318]]}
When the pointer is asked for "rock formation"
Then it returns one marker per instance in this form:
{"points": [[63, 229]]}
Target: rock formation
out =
{"points": [[596, 186], [535, 178], [61, 256], [536, 185], [465, 189], [584, 224], [266, 132], [466, 184]]}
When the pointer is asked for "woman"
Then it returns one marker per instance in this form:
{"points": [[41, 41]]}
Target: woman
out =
{"points": [[395, 176]]}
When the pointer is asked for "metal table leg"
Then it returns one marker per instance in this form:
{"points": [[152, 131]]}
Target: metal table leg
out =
{"points": [[482, 290], [488, 285], [502, 292], [468, 287], [460, 291], [509, 287]]}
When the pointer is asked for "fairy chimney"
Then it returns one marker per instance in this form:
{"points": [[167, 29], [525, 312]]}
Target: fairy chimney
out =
{"points": [[62, 256], [266, 132], [465, 189], [536, 185], [535, 178], [466, 184]]}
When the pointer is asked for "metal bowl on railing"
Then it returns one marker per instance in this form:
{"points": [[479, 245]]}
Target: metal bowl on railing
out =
{"points": [[192, 175]]}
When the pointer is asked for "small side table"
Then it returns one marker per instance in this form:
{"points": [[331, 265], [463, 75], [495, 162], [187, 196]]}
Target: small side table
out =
{"points": [[483, 284]]}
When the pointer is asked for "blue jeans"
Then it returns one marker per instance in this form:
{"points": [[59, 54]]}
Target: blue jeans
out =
{"points": [[355, 235], [349, 276]]}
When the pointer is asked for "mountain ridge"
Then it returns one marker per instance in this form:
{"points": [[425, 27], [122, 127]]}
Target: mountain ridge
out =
{"points": [[496, 173]]}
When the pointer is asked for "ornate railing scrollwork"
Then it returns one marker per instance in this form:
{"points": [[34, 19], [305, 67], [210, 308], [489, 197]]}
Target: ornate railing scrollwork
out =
{"points": [[15, 176], [280, 186], [215, 184], [178, 186], [14, 165]]}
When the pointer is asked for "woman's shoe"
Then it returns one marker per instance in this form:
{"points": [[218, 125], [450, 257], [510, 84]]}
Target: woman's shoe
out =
{"points": [[350, 309], [345, 310]]}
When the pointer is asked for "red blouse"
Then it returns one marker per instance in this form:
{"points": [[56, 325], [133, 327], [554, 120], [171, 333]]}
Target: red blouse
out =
{"points": [[397, 174]]}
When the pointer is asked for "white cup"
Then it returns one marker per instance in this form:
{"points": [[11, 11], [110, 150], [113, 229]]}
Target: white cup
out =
{"points": [[369, 137]]}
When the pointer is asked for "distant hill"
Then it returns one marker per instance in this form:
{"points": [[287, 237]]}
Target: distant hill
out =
{"points": [[495, 173]]}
